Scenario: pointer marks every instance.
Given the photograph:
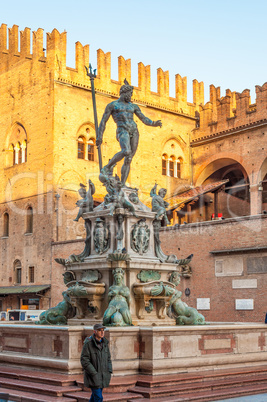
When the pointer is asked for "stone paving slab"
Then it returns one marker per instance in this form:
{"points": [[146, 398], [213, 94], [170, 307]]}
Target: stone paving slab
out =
{"points": [[249, 398], [112, 397]]}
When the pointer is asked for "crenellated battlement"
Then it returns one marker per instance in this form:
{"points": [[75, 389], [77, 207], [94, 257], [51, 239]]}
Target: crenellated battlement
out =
{"points": [[17, 47], [233, 111], [220, 113]]}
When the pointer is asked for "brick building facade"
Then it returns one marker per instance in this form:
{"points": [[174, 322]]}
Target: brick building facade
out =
{"points": [[48, 148], [229, 279]]}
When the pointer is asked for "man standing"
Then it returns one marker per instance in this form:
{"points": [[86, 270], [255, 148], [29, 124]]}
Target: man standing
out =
{"points": [[122, 111], [96, 362]]}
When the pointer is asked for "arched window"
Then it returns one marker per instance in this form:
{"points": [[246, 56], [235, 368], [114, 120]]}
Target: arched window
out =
{"points": [[17, 148], [17, 269], [5, 224], [29, 220], [91, 150], [171, 166], [81, 148], [172, 158], [12, 149], [164, 164], [179, 168]]}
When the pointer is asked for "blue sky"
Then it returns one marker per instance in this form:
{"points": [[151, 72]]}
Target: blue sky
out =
{"points": [[217, 42]]}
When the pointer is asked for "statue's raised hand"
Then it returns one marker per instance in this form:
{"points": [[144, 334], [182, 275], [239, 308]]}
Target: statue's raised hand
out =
{"points": [[157, 123]]}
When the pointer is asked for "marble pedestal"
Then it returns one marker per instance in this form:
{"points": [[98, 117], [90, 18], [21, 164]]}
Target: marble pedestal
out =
{"points": [[120, 252], [137, 350]]}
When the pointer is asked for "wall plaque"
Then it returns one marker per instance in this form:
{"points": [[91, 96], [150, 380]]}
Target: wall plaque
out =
{"points": [[229, 266], [257, 265], [244, 304], [203, 304], [244, 284]]}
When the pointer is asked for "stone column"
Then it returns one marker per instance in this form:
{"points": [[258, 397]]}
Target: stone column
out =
{"points": [[255, 199], [23, 154], [17, 149]]}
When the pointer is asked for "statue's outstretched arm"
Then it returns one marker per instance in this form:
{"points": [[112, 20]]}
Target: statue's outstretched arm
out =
{"points": [[102, 124], [91, 189], [153, 191], [145, 119]]}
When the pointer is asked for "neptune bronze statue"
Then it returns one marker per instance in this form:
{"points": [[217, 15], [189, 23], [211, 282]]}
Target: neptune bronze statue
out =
{"points": [[123, 111]]}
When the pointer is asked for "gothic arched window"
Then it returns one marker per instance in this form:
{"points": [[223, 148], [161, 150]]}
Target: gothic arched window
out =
{"points": [[91, 150], [171, 166], [164, 165], [81, 148], [17, 148], [179, 168]]}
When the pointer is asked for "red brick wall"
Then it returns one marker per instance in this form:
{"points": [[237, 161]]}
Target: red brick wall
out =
{"points": [[202, 238], [62, 250]]}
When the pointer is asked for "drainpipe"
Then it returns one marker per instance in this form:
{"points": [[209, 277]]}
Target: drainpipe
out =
{"points": [[191, 161], [57, 196]]}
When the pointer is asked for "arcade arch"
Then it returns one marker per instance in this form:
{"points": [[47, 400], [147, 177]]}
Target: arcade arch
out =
{"points": [[262, 185], [234, 200]]}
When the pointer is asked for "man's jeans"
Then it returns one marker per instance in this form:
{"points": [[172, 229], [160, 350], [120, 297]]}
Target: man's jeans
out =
{"points": [[96, 395]]}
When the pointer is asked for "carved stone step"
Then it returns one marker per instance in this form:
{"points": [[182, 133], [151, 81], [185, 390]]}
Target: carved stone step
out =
{"points": [[18, 395], [117, 384], [62, 380], [108, 397], [44, 389], [208, 386], [196, 377], [206, 396]]}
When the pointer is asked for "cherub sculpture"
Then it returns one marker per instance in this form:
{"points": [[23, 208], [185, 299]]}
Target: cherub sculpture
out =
{"points": [[115, 196], [159, 205], [87, 202]]}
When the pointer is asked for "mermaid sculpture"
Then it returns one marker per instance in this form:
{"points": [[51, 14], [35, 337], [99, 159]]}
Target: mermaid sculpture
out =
{"points": [[59, 314], [118, 313], [184, 314]]}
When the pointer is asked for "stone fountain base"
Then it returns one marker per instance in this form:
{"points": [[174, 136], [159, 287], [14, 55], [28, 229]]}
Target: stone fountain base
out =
{"points": [[137, 350]]}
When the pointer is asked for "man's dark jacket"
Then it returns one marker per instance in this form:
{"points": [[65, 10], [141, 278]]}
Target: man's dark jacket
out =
{"points": [[96, 363]]}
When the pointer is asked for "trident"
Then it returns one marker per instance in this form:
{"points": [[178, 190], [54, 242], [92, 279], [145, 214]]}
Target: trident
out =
{"points": [[92, 76]]}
